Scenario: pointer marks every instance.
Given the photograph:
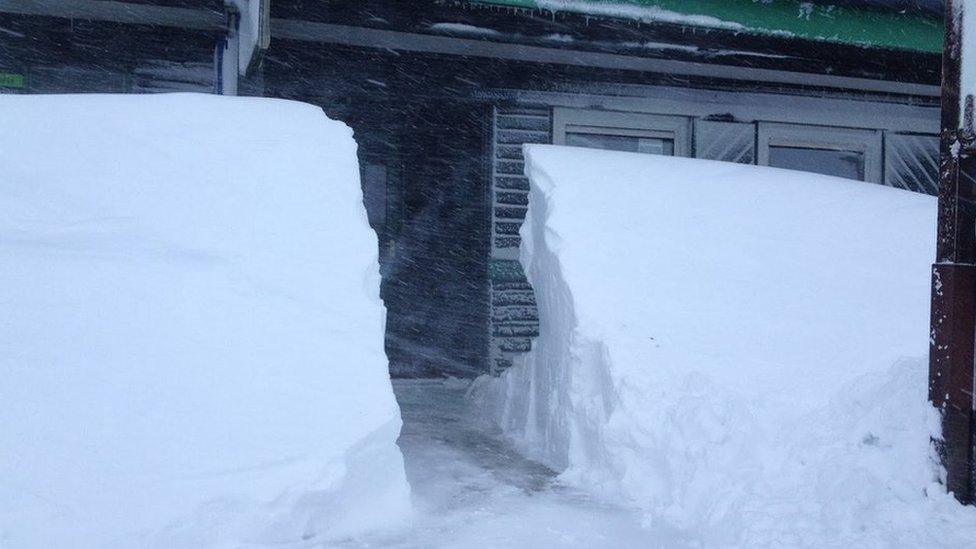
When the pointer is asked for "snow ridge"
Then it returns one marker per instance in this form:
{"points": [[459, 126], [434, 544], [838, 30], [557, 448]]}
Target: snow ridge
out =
{"points": [[192, 334], [716, 348]]}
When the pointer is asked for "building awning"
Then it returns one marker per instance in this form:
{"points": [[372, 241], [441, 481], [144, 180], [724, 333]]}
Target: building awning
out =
{"points": [[888, 24]]}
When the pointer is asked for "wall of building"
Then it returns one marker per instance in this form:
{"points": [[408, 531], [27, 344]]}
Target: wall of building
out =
{"points": [[514, 317], [446, 132], [414, 124], [724, 125], [51, 55], [436, 289]]}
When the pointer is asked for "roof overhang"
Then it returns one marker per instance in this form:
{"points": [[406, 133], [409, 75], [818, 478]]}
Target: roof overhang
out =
{"points": [[881, 24], [383, 39], [119, 12], [469, 47]]}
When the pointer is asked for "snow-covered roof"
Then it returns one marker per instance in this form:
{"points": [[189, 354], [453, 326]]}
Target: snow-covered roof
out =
{"points": [[890, 24]]}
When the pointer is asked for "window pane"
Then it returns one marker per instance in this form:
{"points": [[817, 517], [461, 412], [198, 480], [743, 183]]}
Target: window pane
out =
{"points": [[648, 145], [849, 164], [912, 162]]}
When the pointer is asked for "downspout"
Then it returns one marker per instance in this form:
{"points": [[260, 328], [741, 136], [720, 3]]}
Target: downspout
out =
{"points": [[226, 54]]}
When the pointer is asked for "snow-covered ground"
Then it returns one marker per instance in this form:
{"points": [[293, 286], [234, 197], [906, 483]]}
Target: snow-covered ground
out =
{"points": [[191, 347], [472, 489], [191, 336], [736, 350]]}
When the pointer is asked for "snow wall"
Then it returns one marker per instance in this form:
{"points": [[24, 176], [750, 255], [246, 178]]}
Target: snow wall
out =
{"points": [[737, 350], [191, 342]]}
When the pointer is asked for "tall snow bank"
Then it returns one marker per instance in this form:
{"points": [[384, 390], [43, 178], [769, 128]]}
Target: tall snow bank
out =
{"points": [[724, 346], [191, 342]]}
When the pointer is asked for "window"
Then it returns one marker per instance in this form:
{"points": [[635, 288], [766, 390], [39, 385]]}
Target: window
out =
{"points": [[622, 131], [912, 162], [840, 152], [649, 145], [726, 141], [849, 164]]}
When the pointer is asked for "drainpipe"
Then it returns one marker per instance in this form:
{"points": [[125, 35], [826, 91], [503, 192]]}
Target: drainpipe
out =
{"points": [[953, 332], [226, 56]]}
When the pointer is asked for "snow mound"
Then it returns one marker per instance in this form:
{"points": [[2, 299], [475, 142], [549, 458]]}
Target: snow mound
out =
{"points": [[192, 336], [716, 347]]}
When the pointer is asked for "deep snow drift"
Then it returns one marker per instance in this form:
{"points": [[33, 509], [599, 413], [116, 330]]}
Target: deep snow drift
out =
{"points": [[725, 347], [191, 341]]}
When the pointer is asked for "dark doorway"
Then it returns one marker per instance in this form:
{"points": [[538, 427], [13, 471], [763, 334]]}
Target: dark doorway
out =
{"points": [[436, 245]]}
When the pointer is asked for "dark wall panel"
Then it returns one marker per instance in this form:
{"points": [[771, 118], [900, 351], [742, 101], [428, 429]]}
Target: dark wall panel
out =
{"points": [[436, 289]]}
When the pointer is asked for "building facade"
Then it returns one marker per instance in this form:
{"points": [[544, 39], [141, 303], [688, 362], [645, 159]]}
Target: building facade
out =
{"points": [[442, 94]]}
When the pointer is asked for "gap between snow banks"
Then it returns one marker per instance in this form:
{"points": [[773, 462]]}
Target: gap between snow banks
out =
{"points": [[191, 341], [725, 347]]}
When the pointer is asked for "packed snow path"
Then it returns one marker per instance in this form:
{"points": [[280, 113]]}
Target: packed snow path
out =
{"points": [[470, 489]]}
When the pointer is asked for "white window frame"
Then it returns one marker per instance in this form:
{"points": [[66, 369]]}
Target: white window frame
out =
{"points": [[868, 142], [628, 124]]}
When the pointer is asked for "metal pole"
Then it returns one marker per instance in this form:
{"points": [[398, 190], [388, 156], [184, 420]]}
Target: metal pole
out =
{"points": [[953, 335]]}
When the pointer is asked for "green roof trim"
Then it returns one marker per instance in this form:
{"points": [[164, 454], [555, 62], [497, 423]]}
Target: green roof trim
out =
{"points": [[9, 80], [787, 18]]}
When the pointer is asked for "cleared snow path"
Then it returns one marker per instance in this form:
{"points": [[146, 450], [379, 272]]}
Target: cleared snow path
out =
{"points": [[471, 489]]}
